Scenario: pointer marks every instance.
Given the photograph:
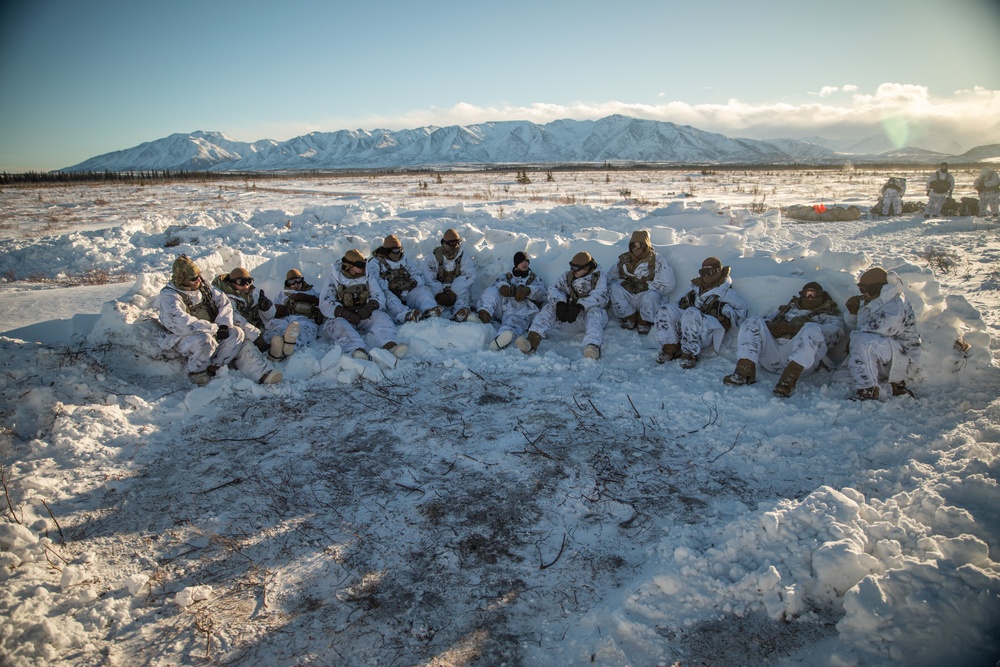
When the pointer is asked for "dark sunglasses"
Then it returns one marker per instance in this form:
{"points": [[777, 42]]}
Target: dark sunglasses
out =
{"points": [[357, 265], [242, 282], [453, 244], [196, 279], [577, 267], [707, 271]]}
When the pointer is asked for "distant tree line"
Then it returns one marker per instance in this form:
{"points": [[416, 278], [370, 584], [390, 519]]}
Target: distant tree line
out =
{"points": [[144, 177]]}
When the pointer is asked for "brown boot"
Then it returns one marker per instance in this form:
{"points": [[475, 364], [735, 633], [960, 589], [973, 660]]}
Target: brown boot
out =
{"points": [[529, 344], [745, 373], [899, 389], [669, 352], [786, 383], [484, 317], [642, 326], [689, 360], [868, 394], [629, 322]]}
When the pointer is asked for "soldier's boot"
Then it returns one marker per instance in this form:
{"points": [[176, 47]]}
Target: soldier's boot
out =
{"points": [[260, 344], [900, 389], [668, 352], [592, 351], [270, 377], [412, 316], [689, 360], [398, 350], [786, 383], [502, 340], [361, 354], [642, 326], [867, 394], [290, 338], [484, 317], [431, 312], [745, 373], [530, 343], [200, 378], [461, 315], [277, 348], [629, 322]]}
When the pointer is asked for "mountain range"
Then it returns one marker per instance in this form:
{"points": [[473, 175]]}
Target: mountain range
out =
{"points": [[615, 139]]}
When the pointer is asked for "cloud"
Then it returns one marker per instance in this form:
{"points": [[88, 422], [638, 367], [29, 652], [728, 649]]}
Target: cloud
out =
{"points": [[963, 120]]}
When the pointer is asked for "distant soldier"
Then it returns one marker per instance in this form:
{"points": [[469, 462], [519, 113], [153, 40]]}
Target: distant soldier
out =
{"points": [[794, 340], [988, 187], [450, 274], [939, 188], [352, 302], [577, 301], [638, 282], [702, 317], [407, 298], [892, 195], [884, 338], [513, 300]]}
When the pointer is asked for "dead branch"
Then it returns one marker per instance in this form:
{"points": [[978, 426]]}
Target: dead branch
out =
{"points": [[411, 489], [235, 480], [6, 493], [739, 434], [542, 565], [637, 415], [532, 444], [595, 409], [62, 539]]}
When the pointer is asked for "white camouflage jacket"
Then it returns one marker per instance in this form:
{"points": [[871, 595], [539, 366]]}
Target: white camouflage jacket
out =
{"points": [[178, 322]]}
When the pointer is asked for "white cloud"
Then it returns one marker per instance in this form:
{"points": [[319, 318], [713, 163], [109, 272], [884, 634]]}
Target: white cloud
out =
{"points": [[827, 90], [968, 117]]}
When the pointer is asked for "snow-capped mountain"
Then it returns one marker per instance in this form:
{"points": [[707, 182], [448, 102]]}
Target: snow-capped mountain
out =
{"points": [[611, 139]]}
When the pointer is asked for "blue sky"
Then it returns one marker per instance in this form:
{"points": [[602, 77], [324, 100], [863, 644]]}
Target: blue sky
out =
{"points": [[78, 79]]}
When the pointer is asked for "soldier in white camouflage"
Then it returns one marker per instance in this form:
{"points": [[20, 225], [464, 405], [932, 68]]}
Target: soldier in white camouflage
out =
{"points": [[449, 273], [297, 317], [353, 303], [793, 341], [512, 300], [638, 282], [577, 301], [407, 298]]}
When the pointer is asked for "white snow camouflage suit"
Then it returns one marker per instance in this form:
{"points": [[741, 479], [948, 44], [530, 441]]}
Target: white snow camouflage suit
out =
{"points": [[693, 327], [823, 329], [884, 341], [513, 315], [591, 292]]}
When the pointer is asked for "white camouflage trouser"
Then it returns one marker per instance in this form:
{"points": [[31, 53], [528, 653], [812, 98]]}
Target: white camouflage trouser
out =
{"points": [[989, 201], [892, 202], [592, 321], [308, 329], [755, 342], [625, 303], [350, 338], [693, 329], [203, 350], [250, 361], [513, 316], [875, 359], [420, 298], [935, 201]]}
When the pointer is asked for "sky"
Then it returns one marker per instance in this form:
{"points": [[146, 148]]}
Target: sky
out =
{"points": [[79, 80]]}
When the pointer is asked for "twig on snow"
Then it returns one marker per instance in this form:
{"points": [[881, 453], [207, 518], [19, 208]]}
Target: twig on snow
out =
{"points": [[637, 415], [62, 539], [541, 564]]}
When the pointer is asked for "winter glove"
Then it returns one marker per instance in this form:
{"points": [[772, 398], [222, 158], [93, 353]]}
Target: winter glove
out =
{"points": [[853, 304], [562, 311], [687, 301], [263, 303], [446, 298], [506, 290], [365, 311], [348, 315], [412, 285], [223, 333], [712, 306], [574, 312], [522, 293], [281, 311]]}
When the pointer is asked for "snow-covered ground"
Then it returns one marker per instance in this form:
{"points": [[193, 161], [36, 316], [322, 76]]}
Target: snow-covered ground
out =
{"points": [[485, 507]]}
